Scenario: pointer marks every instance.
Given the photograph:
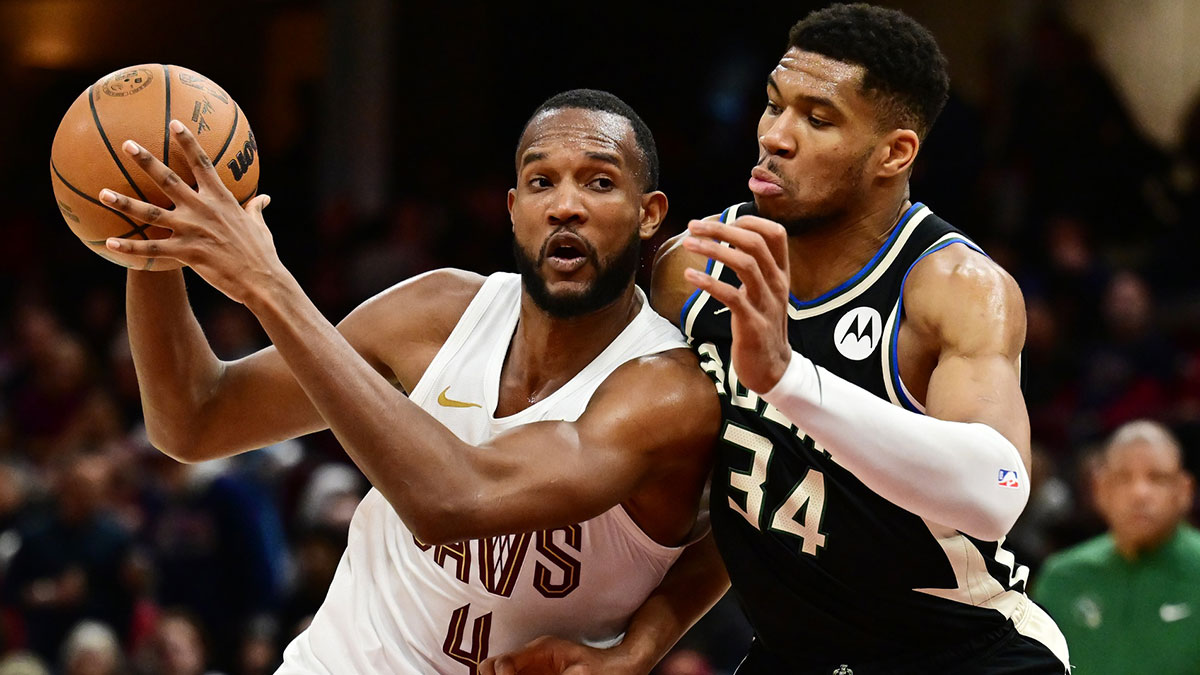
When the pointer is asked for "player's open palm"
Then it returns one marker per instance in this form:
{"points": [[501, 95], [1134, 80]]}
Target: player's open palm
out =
{"points": [[554, 656], [225, 243], [758, 254]]}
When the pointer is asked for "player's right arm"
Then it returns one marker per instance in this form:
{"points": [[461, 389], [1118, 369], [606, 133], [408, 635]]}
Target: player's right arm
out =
{"points": [[198, 407]]}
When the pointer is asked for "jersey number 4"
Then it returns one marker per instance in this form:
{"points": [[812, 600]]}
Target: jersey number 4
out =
{"points": [[799, 515]]}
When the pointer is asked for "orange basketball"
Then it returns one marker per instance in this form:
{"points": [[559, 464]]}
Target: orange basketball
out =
{"points": [[137, 103]]}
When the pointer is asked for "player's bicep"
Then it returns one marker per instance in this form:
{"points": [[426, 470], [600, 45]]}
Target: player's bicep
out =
{"points": [[975, 314]]}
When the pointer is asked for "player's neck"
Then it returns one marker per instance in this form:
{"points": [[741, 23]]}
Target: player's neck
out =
{"points": [[823, 259], [546, 352]]}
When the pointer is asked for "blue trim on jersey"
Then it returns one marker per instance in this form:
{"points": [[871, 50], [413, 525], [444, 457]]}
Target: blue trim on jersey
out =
{"points": [[866, 268], [687, 304], [896, 384]]}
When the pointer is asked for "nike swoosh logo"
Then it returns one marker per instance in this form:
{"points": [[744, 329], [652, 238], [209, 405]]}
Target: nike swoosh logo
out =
{"points": [[448, 402], [1171, 613], [723, 309]]}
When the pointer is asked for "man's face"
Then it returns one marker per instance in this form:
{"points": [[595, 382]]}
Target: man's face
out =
{"points": [[577, 209], [815, 141], [1142, 492]]}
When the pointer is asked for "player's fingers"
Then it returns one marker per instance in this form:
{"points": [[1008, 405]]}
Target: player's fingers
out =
{"points": [[774, 236], [197, 159], [724, 293], [162, 175], [138, 210], [746, 240], [745, 265], [144, 248], [256, 205], [497, 665]]}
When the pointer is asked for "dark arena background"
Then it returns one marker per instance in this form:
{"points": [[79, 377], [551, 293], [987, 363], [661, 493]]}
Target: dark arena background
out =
{"points": [[1069, 150]]}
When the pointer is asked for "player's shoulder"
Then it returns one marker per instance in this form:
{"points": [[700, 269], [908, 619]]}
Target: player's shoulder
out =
{"points": [[957, 290], [669, 289], [415, 313], [438, 296], [671, 369], [960, 269], [667, 387]]}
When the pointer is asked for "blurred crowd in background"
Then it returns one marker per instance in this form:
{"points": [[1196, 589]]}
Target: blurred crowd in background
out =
{"points": [[116, 559]]}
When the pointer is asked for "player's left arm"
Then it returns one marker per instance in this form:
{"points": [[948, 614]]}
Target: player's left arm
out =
{"points": [[964, 464], [973, 315]]}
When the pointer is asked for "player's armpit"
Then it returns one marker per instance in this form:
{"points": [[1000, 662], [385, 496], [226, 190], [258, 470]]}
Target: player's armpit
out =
{"points": [[645, 440], [401, 329]]}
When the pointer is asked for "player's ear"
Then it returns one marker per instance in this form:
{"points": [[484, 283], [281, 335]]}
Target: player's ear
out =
{"points": [[653, 211], [897, 150], [512, 197]]}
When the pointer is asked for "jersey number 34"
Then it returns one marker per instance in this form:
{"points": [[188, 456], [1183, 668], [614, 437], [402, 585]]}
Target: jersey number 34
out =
{"points": [[799, 515]]}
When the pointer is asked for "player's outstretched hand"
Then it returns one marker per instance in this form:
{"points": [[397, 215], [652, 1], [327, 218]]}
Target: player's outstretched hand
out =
{"points": [[225, 243], [758, 308], [554, 656]]}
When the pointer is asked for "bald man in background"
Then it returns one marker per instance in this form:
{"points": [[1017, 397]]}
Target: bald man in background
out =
{"points": [[1128, 601]]}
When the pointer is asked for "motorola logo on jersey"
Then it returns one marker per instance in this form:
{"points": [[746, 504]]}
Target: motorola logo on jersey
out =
{"points": [[858, 333]]}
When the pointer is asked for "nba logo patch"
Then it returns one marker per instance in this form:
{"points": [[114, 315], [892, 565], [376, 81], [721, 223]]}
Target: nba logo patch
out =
{"points": [[1008, 479]]}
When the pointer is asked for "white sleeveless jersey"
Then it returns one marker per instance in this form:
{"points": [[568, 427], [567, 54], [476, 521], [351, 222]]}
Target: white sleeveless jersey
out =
{"points": [[399, 607]]}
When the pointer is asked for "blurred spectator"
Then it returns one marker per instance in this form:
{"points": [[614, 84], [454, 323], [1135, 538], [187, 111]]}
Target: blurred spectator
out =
{"points": [[1066, 147], [218, 547], [1128, 601], [23, 663], [259, 651], [1129, 367], [1050, 503], [74, 563], [330, 497], [318, 550], [176, 648], [685, 662], [56, 405], [92, 649]]}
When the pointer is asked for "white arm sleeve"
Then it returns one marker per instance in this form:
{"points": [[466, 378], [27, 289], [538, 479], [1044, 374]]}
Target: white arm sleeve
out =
{"points": [[958, 474]]}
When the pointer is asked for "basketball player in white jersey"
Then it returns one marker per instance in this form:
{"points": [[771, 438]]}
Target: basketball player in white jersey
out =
{"points": [[545, 470]]}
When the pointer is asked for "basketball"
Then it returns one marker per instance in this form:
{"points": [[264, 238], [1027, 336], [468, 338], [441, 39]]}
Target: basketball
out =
{"points": [[137, 103]]}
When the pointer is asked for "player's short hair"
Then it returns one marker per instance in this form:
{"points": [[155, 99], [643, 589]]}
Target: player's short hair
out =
{"points": [[595, 99], [905, 69]]}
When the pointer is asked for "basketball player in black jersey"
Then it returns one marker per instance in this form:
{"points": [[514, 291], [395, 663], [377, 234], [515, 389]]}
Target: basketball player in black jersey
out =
{"points": [[875, 448]]}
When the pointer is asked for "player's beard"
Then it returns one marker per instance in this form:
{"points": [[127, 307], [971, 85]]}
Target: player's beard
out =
{"points": [[613, 276], [848, 189]]}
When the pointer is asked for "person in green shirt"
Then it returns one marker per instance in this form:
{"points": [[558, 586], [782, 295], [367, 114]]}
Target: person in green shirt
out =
{"points": [[1129, 601]]}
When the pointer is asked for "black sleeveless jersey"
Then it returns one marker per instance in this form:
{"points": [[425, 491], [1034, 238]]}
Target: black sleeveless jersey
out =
{"points": [[827, 571]]}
